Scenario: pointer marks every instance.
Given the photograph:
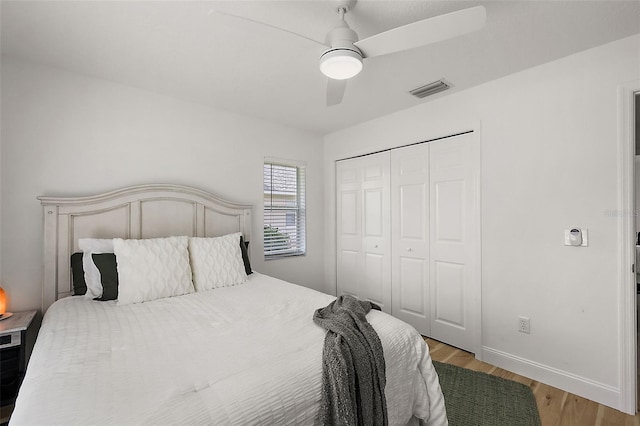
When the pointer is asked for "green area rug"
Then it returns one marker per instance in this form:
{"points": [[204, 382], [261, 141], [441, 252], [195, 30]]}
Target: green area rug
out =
{"points": [[473, 398]]}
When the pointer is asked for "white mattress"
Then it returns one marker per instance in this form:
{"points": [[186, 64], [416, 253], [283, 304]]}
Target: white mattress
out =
{"points": [[242, 355]]}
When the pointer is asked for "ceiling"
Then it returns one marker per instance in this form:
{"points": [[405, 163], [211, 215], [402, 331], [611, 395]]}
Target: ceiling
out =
{"points": [[184, 49]]}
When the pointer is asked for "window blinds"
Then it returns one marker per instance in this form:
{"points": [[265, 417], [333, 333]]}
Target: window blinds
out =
{"points": [[284, 210]]}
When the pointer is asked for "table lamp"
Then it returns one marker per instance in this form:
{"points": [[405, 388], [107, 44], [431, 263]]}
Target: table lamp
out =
{"points": [[3, 305]]}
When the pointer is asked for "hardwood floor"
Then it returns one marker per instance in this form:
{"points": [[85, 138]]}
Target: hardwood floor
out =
{"points": [[556, 407]]}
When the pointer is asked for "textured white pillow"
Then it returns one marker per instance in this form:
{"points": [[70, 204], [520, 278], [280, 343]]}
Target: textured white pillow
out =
{"points": [[216, 262], [152, 269], [88, 246]]}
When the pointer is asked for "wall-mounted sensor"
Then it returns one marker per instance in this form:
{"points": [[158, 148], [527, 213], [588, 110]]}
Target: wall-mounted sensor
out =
{"points": [[575, 237]]}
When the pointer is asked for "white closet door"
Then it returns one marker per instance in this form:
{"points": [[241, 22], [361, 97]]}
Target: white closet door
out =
{"points": [[410, 236], [348, 226], [376, 230], [454, 244], [363, 227]]}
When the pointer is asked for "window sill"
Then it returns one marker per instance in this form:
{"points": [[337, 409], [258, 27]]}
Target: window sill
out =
{"points": [[283, 255]]}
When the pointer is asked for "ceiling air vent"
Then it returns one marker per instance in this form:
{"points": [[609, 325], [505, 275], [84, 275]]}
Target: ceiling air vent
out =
{"points": [[430, 89]]}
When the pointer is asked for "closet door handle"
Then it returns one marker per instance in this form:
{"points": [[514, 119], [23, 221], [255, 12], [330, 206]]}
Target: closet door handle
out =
{"points": [[409, 249], [375, 246]]}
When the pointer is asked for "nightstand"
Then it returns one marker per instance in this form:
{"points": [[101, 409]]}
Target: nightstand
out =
{"points": [[13, 339]]}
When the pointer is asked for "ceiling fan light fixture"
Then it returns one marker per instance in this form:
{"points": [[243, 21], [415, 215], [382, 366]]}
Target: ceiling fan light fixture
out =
{"points": [[340, 64]]}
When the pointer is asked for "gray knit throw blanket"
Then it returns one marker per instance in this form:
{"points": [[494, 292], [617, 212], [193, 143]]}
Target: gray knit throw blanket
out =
{"points": [[353, 369]]}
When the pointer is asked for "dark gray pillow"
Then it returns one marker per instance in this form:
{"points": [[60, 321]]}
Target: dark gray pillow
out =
{"points": [[245, 255], [106, 263], [77, 275]]}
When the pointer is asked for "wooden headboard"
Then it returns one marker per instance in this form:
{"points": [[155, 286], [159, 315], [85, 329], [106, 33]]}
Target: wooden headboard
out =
{"points": [[144, 211]]}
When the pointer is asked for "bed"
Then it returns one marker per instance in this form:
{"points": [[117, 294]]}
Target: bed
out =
{"points": [[236, 354]]}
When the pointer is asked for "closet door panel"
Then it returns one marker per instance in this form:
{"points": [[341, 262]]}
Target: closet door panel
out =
{"points": [[453, 179], [376, 245], [348, 272], [373, 275], [363, 228], [410, 236], [349, 223], [449, 293], [374, 214], [411, 296], [349, 212], [412, 211], [449, 209]]}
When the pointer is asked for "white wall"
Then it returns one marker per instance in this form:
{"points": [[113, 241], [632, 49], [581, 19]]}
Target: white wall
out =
{"points": [[549, 162], [67, 134]]}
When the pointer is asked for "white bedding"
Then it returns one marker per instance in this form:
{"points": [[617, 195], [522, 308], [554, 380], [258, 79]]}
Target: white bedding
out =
{"points": [[248, 354]]}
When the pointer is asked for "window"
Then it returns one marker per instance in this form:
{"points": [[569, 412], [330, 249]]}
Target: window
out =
{"points": [[284, 209]]}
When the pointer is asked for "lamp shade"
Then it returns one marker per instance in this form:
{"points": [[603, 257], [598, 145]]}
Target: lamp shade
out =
{"points": [[340, 64], [3, 301]]}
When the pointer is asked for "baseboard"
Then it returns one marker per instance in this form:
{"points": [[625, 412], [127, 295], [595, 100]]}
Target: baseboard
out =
{"points": [[582, 386]]}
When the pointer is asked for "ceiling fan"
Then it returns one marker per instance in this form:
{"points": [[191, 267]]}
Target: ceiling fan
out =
{"points": [[344, 53]]}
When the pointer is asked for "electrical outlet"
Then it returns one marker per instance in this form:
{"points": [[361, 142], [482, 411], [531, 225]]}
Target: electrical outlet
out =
{"points": [[524, 325]]}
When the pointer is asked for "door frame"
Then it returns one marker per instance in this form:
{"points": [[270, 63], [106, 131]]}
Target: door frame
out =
{"points": [[626, 233], [477, 147]]}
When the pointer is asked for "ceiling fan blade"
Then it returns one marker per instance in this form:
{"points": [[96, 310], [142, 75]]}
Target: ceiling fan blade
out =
{"points": [[427, 31], [267, 25], [335, 91]]}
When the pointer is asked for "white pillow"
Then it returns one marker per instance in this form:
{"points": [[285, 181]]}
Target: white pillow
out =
{"points": [[152, 269], [88, 246], [216, 262]]}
